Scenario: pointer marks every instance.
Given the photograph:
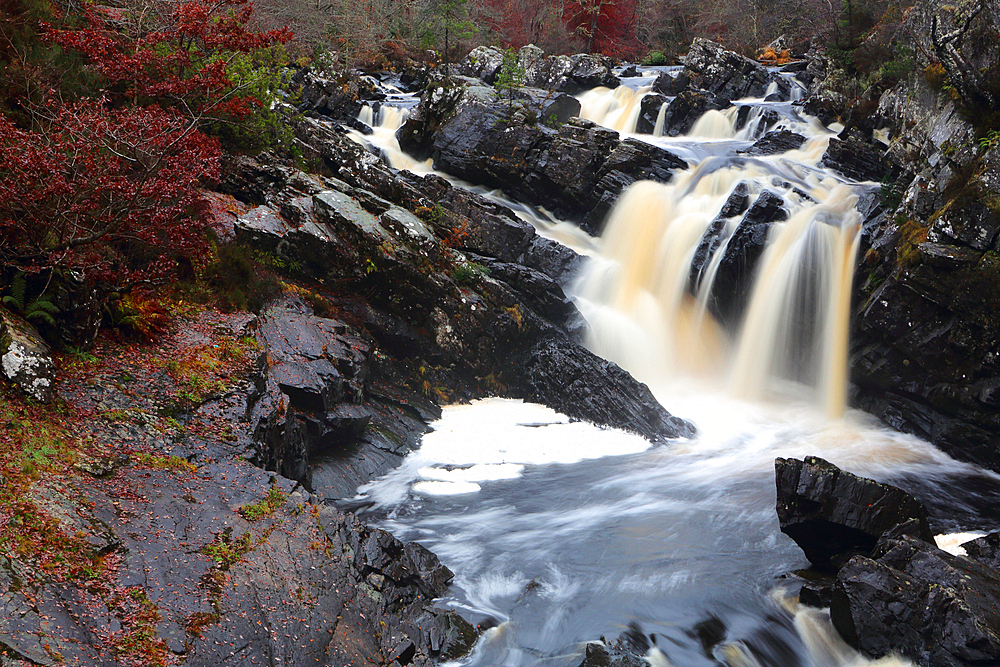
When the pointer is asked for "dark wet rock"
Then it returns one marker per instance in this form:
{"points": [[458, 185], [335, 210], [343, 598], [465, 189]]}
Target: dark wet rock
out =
{"points": [[686, 108], [966, 223], [764, 118], [717, 233], [947, 256], [338, 100], [771, 143], [918, 601], [923, 355], [985, 549], [737, 202], [25, 358], [574, 381], [827, 106], [444, 291], [80, 312], [710, 67], [714, 236], [649, 111], [734, 277], [629, 72], [832, 514], [576, 172], [856, 159], [816, 594], [552, 258]]}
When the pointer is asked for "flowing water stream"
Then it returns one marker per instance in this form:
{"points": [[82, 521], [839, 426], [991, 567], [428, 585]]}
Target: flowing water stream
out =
{"points": [[561, 533]]}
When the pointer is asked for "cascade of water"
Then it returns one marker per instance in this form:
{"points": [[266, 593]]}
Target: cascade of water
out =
{"points": [[621, 532], [618, 109], [638, 295], [390, 119], [660, 117]]}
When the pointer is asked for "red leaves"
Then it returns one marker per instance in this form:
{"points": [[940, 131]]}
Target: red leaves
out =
{"points": [[608, 26], [180, 64], [111, 193]]}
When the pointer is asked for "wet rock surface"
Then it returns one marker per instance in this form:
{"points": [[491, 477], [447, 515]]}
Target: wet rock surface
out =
{"points": [[576, 169], [734, 277], [832, 514], [461, 290], [918, 601]]}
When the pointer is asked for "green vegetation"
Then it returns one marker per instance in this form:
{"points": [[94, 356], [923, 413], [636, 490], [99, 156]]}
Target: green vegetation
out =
{"points": [[510, 79], [161, 462], [468, 273], [226, 551], [265, 507]]}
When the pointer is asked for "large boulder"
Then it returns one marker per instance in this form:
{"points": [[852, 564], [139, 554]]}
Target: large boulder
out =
{"points": [[569, 74], [25, 358], [710, 67], [686, 108], [576, 171], [833, 514], [915, 600], [576, 382]]}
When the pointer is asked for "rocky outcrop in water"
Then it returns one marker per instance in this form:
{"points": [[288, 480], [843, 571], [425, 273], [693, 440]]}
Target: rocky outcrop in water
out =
{"points": [[894, 591], [915, 600], [575, 168], [458, 291], [832, 514]]}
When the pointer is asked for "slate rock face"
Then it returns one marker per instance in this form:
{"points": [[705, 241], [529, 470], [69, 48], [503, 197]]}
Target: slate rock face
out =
{"points": [[856, 159], [576, 382], [833, 514], [937, 609]]}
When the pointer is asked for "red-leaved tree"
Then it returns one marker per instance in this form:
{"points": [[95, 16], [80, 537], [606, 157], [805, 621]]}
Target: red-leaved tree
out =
{"points": [[606, 26], [112, 194], [181, 59], [110, 186]]}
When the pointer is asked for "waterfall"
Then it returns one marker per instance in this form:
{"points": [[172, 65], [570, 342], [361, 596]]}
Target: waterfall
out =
{"points": [[644, 312], [617, 109], [559, 532], [390, 119]]}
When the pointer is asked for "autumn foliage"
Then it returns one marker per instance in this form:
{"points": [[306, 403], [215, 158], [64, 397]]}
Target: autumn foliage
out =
{"points": [[606, 26], [107, 185], [113, 193], [182, 63]]}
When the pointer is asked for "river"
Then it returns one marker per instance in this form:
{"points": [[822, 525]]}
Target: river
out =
{"points": [[561, 533]]}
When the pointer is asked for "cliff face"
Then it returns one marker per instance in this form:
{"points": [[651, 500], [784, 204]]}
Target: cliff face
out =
{"points": [[927, 331]]}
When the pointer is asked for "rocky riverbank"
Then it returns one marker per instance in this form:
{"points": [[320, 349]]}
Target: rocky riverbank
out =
{"points": [[195, 526]]}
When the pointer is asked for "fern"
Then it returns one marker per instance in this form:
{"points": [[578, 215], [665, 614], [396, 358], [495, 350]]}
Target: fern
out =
{"points": [[39, 308], [16, 297]]}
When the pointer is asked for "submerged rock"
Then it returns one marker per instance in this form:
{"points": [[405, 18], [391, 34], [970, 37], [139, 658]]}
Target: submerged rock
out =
{"points": [[832, 514]]}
